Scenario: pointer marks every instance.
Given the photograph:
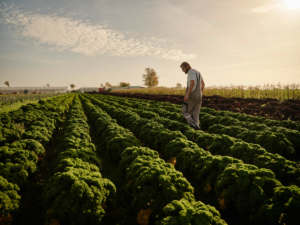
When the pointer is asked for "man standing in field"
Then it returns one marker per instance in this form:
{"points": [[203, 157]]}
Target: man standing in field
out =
{"points": [[193, 95]]}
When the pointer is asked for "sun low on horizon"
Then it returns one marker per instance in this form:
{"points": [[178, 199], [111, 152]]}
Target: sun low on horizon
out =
{"points": [[292, 4]]}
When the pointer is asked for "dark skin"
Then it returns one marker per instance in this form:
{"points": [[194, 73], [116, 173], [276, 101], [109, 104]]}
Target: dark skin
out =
{"points": [[186, 69]]}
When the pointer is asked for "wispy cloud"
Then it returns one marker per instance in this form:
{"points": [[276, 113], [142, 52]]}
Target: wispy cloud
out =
{"points": [[269, 8], [64, 33]]}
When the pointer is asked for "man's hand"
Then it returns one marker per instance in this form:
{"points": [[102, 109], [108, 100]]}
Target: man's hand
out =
{"points": [[186, 98]]}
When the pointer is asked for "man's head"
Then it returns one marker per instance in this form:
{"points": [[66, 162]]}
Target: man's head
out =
{"points": [[185, 67]]}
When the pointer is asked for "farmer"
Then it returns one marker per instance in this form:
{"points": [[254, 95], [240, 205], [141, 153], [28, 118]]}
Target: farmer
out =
{"points": [[193, 95]]}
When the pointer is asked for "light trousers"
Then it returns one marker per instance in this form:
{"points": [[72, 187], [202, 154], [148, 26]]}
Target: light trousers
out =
{"points": [[191, 116]]}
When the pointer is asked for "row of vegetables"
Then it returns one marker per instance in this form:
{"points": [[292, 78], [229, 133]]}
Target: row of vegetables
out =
{"points": [[19, 158], [157, 189], [275, 139], [14, 123], [255, 190], [286, 171], [263, 108], [280, 140], [77, 192], [295, 125], [13, 99]]}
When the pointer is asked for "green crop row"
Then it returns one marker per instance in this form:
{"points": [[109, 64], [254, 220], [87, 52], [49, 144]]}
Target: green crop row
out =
{"points": [[275, 139], [286, 171], [17, 161], [293, 125], [13, 124], [278, 140], [77, 193], [13, 99], [250, 188], [158, 189], [20, 158]]}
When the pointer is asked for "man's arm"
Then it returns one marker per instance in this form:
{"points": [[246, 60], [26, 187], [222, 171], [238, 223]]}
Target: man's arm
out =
{"points": [[202, 86], [192, 84]]}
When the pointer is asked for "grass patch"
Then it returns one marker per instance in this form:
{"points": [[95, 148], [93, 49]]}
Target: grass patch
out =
{"points": [[15, 106], [18, 105]]}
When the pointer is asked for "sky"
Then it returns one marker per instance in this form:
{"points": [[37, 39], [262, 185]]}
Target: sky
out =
{"points": [[89, 42]]}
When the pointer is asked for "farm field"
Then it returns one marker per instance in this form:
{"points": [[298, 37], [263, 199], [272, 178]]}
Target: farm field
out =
{"points": [[270, 108], [132, 159], [280, 91], [10, 102]]}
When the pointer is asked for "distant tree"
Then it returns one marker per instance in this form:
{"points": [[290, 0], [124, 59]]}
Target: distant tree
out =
{"points": [[123, 84], [48, 85], [101, 85], [72, 86], [6, 83], [25, 91], [108, 84], [150, 79], [178, 85]]}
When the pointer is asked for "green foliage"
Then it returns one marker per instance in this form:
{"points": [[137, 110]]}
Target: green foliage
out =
{"points": [[75, 163], [27, 159], [291, 135], [181, 212], [152, 181], [8, 100], [9, 198], [115, 138], [124, 84], [29, 115], [76, 192], [72, 142], [41, 130], [119, 143], [18, 158], [5, 118], [232, 181], [244, 185], [77, 195], [14, 173], [274, 139], [259, 121], [9, 133], [282, 208], [248, 153], [286, 171], [273, 142], [131, 153], [221, 145], [174, 147]]}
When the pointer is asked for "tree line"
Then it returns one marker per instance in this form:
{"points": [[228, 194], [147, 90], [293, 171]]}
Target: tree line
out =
{"points": [[149, 78]]}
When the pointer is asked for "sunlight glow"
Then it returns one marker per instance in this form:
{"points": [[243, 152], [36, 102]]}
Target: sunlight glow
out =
{"points": [[292, 4]]}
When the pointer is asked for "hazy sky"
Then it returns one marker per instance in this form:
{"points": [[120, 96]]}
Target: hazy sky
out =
{"points": [[88, 42]]}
